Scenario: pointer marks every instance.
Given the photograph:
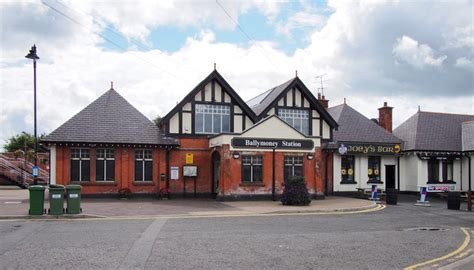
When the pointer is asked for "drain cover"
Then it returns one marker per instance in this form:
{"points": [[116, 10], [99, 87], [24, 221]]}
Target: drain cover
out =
{"points": [[430, 229]]}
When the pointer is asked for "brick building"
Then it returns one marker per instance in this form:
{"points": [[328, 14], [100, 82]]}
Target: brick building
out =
{"points": [[211, 143]]}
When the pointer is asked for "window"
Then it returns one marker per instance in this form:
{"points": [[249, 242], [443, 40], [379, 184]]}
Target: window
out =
{"points": [[347, 169], [433, 170], [143, 165], [105, 165], [252, 169], [299, 119], [212, 118], [448, 171], [293, 166], [80, 165], [374, 169]]}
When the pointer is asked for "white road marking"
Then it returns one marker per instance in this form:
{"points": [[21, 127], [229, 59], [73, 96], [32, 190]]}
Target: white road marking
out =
{"points": [[138, 255]]}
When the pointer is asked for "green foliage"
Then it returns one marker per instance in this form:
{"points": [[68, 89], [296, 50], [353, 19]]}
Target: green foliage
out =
{"points": [[295, 192], [19, 142], [157, 120]]}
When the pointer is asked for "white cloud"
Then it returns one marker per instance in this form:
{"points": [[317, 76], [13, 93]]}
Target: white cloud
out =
{"points": [[419, 55], [354, 47], [463, 62]]}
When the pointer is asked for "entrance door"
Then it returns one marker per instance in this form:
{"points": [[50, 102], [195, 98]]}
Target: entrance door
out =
{"points": [[216, 161], [389, 176]]}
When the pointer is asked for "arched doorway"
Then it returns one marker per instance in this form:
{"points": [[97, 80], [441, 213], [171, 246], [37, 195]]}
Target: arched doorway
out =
{"points": [[216, 161]]}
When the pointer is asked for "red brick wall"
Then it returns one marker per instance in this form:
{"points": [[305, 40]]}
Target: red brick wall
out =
{"points": [[385, 117], [124, 172], [230, 182]]}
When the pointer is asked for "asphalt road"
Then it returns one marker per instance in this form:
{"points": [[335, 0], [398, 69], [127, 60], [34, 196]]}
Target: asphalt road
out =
{"points": [[378, 240]]}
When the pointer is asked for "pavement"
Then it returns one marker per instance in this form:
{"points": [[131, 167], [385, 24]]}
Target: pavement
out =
{"points": [[14, 204]]}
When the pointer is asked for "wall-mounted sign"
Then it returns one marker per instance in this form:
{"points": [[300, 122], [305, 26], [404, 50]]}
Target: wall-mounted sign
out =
{"points": [[190, 171], [174, 171], [189, 158], [441, 187], [368, 148], [272, 143]]}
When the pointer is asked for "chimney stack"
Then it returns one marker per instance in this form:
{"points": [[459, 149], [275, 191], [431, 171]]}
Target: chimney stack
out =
{"points": [[323, 101], [385, 117]]}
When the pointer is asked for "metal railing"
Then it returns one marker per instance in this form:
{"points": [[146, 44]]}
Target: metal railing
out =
{"points": [[11, 169]]}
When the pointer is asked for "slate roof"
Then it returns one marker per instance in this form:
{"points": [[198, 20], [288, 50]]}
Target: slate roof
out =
{"points": [[259, 103], [467, 130], [110, 119], [429, 131], [354, 127], [263, 102]]}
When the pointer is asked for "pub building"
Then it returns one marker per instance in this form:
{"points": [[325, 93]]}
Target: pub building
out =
{"points": [[365, 151], [212, 143], [437, 149]]}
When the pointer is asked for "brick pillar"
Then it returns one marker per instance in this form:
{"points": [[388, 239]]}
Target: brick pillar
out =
{"points": [[385, 117]]}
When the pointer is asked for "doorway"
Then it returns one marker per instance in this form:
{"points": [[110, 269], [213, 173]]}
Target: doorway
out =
{"points": [[389, 176], [216, 161]]}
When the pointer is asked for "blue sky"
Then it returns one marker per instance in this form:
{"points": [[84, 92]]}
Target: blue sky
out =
{"points": [[407, 53], [257, 26]]}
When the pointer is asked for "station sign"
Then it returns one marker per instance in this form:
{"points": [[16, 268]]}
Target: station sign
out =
{"points": [[368, 148], [272, 143]]}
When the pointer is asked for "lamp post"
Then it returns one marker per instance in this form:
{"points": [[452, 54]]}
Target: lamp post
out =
{"points": [[32, 55]]}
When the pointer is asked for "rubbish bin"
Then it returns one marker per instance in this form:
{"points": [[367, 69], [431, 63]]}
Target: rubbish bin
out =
{"points": [[454, 200], [56, 200], [36, 200], [392, 196], [73, 199]]}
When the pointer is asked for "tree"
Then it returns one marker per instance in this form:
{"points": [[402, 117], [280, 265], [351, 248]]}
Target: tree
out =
{"points": [[22, 141], [157, 120]]}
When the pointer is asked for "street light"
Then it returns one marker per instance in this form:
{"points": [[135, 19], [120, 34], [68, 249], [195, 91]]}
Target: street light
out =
{"points": [[32, 55]]}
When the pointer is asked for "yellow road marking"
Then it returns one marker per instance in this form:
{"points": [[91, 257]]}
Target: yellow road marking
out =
{"points": [[467, 239], [186, 216]]}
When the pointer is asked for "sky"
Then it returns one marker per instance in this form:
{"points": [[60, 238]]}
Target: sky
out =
{"points": [[407, 53]]}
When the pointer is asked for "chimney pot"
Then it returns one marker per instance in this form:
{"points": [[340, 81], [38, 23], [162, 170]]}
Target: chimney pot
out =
{"points": [[385, 117]]}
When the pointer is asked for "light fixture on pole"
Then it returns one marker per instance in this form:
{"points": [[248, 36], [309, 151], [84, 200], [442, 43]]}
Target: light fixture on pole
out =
{"points": [[32, 55]]}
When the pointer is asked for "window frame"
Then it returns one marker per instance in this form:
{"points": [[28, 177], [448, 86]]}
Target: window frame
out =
{"points": [[108, 155], [214, 110], [433, 170], [448, 171], [143, 156], [378, 177], [82, 157], [345, 179], [292, 113], [292, 164], [252, 165]]}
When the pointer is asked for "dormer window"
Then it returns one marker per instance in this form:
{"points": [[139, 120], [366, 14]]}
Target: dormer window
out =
{"points": [[299, 119], [211, 118]]}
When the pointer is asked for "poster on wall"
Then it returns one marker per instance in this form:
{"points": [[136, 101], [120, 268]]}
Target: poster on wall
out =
{"points": [[174, 172], [190, 171]]}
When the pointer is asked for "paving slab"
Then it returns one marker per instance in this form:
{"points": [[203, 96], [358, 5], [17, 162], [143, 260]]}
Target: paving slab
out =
{"points": [[14, 203]]}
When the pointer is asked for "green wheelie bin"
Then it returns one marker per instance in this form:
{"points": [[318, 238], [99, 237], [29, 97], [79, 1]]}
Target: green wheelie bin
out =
{"points": [[73, 199], [36, 200], [56, 200]]}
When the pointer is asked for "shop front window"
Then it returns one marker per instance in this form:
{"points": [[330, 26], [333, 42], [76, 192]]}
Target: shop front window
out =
{"points": [[212, 118], [80, 165], [448, 171], [293, 166], [347, 169], [433, 170], [143, 165], [373, 170], [252, 169]]}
